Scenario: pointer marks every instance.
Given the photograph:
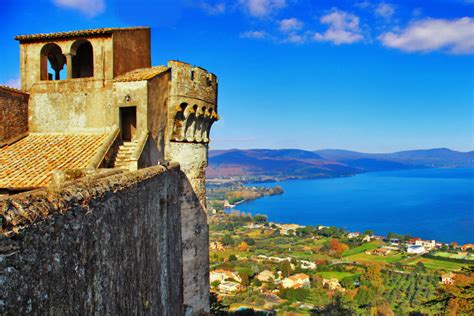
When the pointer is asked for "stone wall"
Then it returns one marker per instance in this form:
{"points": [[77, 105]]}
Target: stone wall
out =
{"points": [[195, 230], [107, 246], [13, 115]]}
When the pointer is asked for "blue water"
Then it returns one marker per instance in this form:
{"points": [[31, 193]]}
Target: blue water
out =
{"points": [[429, 203]]}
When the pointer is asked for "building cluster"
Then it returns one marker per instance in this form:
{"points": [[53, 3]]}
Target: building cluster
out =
{"points": [[91, 103]]}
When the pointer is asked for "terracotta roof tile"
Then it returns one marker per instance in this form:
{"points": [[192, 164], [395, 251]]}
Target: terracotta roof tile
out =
{"points": [[142, 74], [29, 162], [92, 32], [12, 89]]}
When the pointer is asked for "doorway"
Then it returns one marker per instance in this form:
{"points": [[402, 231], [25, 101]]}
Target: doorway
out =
{"points": [[128, 122]]}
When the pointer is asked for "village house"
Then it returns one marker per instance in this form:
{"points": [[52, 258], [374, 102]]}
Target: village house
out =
{"points": [[285, 229], [216, 246], [428, 244], [332, 284], [353, 235], [266, 276], [308, 265], [448, 278], [379, 252], [467, 247], [296, 281], [228, 287], [224, 275]]}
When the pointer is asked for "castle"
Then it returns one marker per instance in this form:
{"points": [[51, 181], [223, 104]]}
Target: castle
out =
{"points": [[102, 178]]}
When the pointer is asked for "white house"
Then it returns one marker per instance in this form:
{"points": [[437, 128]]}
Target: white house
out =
{"points": [[229, 287], [415, 249], [223, 275], [297, 281]]}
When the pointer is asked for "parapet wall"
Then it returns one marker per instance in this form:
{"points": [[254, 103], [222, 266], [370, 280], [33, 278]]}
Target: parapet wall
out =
{"points": [[109, 246], [13, 115]]}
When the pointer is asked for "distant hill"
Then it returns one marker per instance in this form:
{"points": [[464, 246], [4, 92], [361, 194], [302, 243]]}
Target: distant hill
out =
{"points": [[328, 162], [430, 158]]}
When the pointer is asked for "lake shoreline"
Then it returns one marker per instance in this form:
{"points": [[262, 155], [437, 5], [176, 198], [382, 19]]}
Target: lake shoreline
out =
{"points": [[428, 224]]}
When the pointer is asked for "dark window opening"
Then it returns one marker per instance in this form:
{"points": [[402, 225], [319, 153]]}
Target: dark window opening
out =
{"points": [[128, 122], [52, 63], [82, 59]]}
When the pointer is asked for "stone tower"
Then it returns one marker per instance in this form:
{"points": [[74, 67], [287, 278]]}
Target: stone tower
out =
{"points": [[192, 109]]}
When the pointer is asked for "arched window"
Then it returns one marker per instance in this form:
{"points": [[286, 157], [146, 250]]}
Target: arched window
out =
{"points": [[82, 59], [52, 62]]}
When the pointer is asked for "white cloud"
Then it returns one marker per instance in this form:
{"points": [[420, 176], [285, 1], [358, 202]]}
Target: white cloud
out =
{"points": [[453, 36], [385, 10], [14, 83], [343, 28], [89, 8], [288, 25], [363, 4], [254, 34], [295, 38], [262, 8], [212, 8]]}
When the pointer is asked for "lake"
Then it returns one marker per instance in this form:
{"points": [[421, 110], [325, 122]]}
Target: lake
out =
{"points": [[427, 203]]}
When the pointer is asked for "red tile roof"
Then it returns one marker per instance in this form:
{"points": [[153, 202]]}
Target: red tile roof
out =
{"points": [[29, 162], [142, 74], [79, 33]]}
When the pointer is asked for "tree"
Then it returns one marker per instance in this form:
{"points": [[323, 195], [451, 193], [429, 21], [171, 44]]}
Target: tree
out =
{"points": [[243, 246], [369, 232], [260, 219], [285, 267], [245, 278], [232, 258], [337, 247], [250, 241], [457, 298], [227, 240], [420, 267], [339, 306], [217, 307], [364, 296], [381, 308], [374, 277]]}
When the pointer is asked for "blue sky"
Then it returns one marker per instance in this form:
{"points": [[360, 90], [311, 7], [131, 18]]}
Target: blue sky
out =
{"points": [[375, 76]]}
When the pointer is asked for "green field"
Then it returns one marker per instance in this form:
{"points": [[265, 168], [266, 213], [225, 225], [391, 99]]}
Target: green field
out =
{"points": [[363, 248], [453, 255], [362, 256], [434, 264], [335, 274]]}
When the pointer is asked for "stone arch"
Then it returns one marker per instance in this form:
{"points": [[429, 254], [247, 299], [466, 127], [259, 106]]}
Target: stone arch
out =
{"points": [[51, 57], [190, 128], [200, 121], [82, 57], [179, 122]]}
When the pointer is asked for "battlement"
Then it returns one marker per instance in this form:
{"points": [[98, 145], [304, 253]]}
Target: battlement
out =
{"points": [[186, 72]]}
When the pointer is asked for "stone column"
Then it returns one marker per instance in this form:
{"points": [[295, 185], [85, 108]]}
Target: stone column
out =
{"points": [[69, 65]]}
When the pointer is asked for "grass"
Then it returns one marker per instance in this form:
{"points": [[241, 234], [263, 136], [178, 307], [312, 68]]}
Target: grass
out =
{"points": [[362, 256], [335, 275], [453, 255], [362, 248], [434, 264]]}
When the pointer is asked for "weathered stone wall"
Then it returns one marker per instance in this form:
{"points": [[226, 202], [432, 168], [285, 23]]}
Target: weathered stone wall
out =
{"points": [[107, 246], [13, 115], [132, 50], [194, 229], [72, 105]]}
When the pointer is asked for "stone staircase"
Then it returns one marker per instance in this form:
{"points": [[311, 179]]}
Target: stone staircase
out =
{"points": [[124, 155]]}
